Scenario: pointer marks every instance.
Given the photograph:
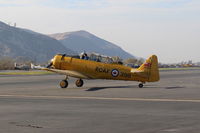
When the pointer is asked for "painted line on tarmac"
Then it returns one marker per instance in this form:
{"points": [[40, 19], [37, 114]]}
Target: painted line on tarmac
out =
{"points": [[104, 98]]}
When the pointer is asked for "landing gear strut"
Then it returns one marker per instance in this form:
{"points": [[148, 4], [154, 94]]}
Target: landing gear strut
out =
{"points": [[64, 83], [79, 83]]}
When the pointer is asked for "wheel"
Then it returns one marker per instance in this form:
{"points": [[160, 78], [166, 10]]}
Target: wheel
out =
{"points": [[140, 85], [63, 84], [79, 83]]}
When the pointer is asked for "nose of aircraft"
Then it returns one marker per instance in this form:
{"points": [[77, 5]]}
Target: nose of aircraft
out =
{"points": [[55, 60]]}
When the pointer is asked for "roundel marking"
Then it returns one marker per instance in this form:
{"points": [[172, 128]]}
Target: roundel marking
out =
{"points": [[115, 72]]}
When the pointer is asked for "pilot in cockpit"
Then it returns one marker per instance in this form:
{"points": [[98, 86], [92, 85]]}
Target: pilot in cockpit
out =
{"points": [[84, 56]]}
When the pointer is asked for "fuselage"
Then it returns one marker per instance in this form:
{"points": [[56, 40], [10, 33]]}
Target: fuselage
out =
{"points": [[98, 70]]}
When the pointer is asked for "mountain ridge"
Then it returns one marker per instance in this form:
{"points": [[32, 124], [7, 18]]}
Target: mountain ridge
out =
{"points": [[16, 42], [84, 41]]}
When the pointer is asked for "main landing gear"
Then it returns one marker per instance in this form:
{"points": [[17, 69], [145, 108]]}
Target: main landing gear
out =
{"points": [[64, 83], [141, 85]]}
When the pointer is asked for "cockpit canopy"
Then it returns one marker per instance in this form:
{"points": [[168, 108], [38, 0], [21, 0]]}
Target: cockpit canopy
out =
{"points": [[100, 58], [96, 57]]}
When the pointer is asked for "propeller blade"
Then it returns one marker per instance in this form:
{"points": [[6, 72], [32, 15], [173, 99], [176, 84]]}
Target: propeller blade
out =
{"points": [[49, 65]]}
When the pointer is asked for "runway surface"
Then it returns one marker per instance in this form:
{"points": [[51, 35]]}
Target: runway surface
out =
{"points": [[37, 104]]}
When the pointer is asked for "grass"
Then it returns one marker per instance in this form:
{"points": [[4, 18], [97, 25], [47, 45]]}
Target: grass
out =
{"points": [[184, 68], [25, 73]]}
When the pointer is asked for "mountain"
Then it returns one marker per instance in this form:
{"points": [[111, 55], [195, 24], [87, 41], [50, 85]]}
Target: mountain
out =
{"points": [[80, 41], [17, 42]]}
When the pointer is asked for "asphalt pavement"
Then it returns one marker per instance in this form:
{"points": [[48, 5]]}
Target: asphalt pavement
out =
{"points": [[37, 104]]}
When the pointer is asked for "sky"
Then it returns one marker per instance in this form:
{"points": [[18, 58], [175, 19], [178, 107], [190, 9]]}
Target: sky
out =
{"points": [[168, 28]]}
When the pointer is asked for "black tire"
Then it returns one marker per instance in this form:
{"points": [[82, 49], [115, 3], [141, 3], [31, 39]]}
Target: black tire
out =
{"points": [[140, 85], [79, 83], [63, 84]]}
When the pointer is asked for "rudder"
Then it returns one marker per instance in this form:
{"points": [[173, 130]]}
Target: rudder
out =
{"points": [[150, 67]]}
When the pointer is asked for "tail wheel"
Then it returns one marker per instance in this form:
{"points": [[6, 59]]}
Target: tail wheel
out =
{"points": [[140, 85], [63, 84], [79, 83]]}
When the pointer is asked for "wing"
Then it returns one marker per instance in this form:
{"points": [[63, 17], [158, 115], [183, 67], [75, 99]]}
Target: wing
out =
{"points": [[68, 73]]}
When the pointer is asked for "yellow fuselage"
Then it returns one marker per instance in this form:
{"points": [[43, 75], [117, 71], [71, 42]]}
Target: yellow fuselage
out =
{"points": [[98, 70]]}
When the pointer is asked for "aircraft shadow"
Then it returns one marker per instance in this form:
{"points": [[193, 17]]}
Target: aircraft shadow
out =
{"points": [[108, 87], [174, 87], [164, 87], [149, 86]]}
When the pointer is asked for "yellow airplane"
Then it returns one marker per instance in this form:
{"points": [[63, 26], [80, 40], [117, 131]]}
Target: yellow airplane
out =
{"points": [[89, 69]]}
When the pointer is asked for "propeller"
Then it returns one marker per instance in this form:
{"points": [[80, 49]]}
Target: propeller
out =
{"points": [[50, 64]]}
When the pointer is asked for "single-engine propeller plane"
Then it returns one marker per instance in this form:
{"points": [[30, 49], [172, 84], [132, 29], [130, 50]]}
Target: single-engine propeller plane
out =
{"points": [[90, 68]]}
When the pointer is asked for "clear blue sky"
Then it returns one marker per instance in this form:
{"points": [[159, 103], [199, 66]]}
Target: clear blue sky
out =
{"points": [[168, 28]]}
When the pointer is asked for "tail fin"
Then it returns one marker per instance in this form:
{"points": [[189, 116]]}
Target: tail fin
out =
{"points": [[150, 67]]}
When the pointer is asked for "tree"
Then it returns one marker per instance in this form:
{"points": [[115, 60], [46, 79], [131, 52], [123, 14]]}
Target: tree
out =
{"points": [[6, 63]]}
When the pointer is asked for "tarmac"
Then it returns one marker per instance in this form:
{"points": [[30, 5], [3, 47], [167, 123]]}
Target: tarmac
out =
{"points": [[36, 104]]}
